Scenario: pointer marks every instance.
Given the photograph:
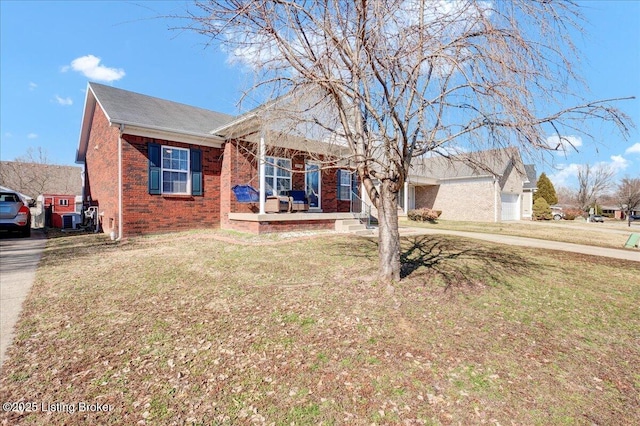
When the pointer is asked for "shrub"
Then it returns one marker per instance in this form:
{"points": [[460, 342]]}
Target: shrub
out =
{"points": [[424, 215], [541, 210], [572, 214]]}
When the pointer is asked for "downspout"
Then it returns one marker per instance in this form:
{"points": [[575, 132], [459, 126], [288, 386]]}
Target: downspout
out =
{"points": [[406, 197], [495, 198], [263, 160], [120, 182]]}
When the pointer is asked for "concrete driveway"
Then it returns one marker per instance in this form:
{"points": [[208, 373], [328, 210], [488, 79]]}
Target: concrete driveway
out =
{"points": [[19, 259]]}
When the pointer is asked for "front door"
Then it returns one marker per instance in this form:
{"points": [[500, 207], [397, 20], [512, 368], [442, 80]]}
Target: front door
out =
{"points": [[312, 184]]}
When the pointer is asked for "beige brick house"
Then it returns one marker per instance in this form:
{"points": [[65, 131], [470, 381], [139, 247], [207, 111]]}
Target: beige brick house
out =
{"points": [[487, 186]]}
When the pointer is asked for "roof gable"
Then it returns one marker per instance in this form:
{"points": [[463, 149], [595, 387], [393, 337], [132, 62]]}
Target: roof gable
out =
{"points": [[143, 112], [125, 107], [493, 162]]}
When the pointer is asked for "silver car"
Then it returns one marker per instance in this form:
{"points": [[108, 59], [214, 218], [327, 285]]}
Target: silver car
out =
{"points": [[14, 213]]}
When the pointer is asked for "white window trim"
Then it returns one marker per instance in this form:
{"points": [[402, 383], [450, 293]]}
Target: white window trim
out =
{"points": [[272, 180], [162, 170], [63, 202]]}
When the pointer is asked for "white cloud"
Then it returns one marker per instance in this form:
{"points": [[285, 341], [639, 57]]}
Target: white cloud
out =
{"points": [[32, 86], [64, 101], [633, 149], [564, 144], [90, 67], [565, 176], [618, 163], [32, 136], [8, 135]]}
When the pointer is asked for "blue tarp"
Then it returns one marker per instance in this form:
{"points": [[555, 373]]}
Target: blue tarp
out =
{"points": [[246, 194]]}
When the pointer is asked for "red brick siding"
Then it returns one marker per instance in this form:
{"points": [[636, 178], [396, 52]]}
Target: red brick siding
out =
{"points": [[144, 213], [101, 170]]}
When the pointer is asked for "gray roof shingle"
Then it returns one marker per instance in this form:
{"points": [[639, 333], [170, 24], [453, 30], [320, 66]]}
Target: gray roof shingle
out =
{"points": [[493, 162], [123, 106]]}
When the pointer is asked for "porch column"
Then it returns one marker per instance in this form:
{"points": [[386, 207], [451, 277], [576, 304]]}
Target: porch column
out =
{"points": [[406, 197], [262, 159]]}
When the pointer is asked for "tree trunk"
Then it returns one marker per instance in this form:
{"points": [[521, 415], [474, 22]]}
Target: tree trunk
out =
{"points": [[389, 237]]}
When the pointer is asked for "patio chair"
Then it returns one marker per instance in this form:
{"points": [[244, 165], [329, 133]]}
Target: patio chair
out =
{"points": [[299, 201]]}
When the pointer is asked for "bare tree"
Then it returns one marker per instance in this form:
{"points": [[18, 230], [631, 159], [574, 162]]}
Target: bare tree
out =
{"points": [[566, 195], [405, 78], [628, 195], [593, 182], [34, 174], [28, 180]]}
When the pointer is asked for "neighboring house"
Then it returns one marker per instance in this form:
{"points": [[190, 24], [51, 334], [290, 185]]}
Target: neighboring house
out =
{"points": [[38, 179], [61, 210], [617, 212], [486, 186], [153, 165]]}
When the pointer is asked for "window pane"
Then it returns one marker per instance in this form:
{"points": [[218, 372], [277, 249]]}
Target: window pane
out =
{"points": [[166, 182], [345, 178], [345, 193], [284, 184], [174, 182], [268, 170]]}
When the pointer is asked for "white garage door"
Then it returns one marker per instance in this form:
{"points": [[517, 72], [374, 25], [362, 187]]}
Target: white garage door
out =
{"points": [[510, 206]]}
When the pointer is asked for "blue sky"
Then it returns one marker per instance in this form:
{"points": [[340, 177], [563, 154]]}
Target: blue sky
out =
{"points": [[49, 50]]}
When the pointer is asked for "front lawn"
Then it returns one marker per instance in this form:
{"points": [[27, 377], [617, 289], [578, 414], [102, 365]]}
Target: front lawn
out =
{"points": [[194, 328]]}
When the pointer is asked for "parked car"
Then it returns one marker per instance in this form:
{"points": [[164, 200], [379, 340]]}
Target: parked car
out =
{"points": [[635, 217], [557, 213], [14, 213], [597, 218]]}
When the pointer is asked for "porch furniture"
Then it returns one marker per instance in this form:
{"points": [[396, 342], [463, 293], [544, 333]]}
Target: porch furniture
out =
{"points": [[299, 201], [277, 204]]}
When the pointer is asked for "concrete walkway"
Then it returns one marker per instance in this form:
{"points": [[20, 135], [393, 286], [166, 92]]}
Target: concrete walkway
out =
{"points": [[529, 242], [19, 259]]}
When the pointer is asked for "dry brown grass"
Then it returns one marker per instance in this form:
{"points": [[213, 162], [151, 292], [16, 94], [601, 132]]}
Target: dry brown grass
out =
{"points": [[610, 234], [194, 329]]}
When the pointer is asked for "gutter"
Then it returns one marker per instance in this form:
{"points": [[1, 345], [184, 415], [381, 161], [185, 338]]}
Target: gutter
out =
{"points": [[467, 177], [495, 199], [164, 129], [221, 130]]}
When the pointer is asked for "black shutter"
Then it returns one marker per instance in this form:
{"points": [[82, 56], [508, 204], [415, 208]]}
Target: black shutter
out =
{"points": [[338, 193], [154, 152], [196, 172]]}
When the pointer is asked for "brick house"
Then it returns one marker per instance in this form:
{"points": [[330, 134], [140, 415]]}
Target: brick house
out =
{"points": [[152, 165], [486, 186]]}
